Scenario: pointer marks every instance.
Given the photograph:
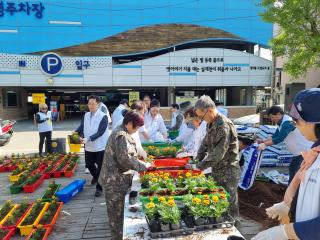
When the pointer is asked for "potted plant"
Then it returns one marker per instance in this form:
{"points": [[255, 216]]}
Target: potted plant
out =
{"points": [[221, 206], [5, 209], [17, 187], [169, 214], [151, 212], [32, 217], [39, 233], [197, 210], [51, 215], [70, 169], [6, 234], [50, 191], [12, 220], [33, 182]]}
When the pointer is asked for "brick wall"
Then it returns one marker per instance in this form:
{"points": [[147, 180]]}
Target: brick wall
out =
{"points": [[15, 113]]}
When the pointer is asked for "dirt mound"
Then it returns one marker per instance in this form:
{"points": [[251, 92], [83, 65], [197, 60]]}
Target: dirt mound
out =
{"points": [[261, 195]]}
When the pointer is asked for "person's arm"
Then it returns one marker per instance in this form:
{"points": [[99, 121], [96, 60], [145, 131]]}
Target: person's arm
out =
{"points": [[38, 119], [220, 149], [163, 129], [79, 129], [124, 159], [202, 150], [101, 129], [286, 128], [309, 229]]}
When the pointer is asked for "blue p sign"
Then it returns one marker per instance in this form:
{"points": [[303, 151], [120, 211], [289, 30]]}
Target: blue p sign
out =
{"points": [[51, 64]]}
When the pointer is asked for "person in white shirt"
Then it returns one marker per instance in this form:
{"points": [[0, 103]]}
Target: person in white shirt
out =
{"points": [[103, 108], [154, 124], [221, 109], [177, 117], [117, 117], [198, 133], [44, 120]]}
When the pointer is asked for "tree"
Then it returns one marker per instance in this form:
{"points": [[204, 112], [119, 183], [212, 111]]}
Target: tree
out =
{"points": [[299, 36]]}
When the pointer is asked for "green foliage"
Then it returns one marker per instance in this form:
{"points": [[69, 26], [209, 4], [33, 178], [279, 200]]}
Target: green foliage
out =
{"points": [[299, 36]]}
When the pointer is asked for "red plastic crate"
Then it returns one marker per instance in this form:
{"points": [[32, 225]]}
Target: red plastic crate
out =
{"points": [[10, 234], [170, 162], [33, 187]]}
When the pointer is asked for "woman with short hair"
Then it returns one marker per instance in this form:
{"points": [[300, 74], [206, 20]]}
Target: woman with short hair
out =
{"points": [[44, 121]]}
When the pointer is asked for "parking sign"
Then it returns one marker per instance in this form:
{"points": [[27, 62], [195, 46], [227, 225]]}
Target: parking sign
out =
{"points": [[51, 64]]}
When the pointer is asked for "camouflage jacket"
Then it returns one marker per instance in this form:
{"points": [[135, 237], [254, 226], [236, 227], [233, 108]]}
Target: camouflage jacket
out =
{"points": [[219, 148], [120, 156]]}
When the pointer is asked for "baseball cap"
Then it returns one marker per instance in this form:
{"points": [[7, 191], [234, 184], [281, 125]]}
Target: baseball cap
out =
{"points": [[306, 106]]}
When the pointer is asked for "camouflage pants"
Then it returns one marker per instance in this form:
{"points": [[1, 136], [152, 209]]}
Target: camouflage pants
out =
{"points": [[229, 179], [115, 209]]}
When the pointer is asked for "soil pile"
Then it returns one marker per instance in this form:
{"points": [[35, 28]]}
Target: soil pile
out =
{"points": [[261, 195]]}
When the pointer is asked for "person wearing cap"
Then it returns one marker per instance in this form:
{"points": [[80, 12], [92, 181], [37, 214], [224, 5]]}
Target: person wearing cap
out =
{"points": [[154, 124], [177, 117], [288, 133], [44, 121], [117, 117], [299, 212]]}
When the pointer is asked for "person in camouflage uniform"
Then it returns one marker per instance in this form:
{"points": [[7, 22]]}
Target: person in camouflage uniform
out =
{"points": [[219, 150], [120, 157]]}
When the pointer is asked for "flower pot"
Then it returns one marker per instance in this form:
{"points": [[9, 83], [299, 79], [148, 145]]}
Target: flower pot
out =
{"points": [[25, 230], [30, 188], [13, 207], [70, 173], [14, 226], [212, 220], [9, 234], [175, 226], [220, 219], [189, 221], [14, 178], [54, 219], [153, 225], [50, 199], [165, 227], [199, 221], [16, 189], [45, 236]]}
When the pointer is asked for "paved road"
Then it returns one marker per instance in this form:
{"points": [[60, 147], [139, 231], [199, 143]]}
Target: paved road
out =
{"points": [[85, 216]]}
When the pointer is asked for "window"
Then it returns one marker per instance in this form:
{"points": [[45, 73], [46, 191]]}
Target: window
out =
{"points": [[11, 98]]}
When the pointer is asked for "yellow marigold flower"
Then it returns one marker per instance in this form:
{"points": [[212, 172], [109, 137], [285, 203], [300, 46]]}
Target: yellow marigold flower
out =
{"points": [[206, 197], [171, 203], [188, 174], [165, 178], [206, 202], [151, 199], [162, 199], [171, 198], [150, 205], [196, 200], [154, 180], [223, 196], [167, 175], [215, 199], [180, 177]]}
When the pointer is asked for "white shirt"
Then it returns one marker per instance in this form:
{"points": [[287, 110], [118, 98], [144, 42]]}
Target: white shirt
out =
{"points": [[45, 126], [308, 205], [140, 149], [117, 117], [104, 109], [185, 134], [155, 127]]}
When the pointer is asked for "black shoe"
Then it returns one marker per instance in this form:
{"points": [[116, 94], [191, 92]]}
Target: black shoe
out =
{"points": [[98, 193], [235, 238], [94, 181]]}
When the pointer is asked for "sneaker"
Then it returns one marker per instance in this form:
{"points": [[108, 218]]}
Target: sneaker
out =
{"points": [[98, 193], [94, 181], [86, 171]]}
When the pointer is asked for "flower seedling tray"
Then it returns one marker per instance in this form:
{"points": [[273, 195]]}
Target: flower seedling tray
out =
{"points": [[12, 209], [25, 230], [173, 173], [178, 145], [30, 188], [50, 199], [68, 192], [227, 222], [45, 237], [14, 178], [70, 173], [18, 221]]}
